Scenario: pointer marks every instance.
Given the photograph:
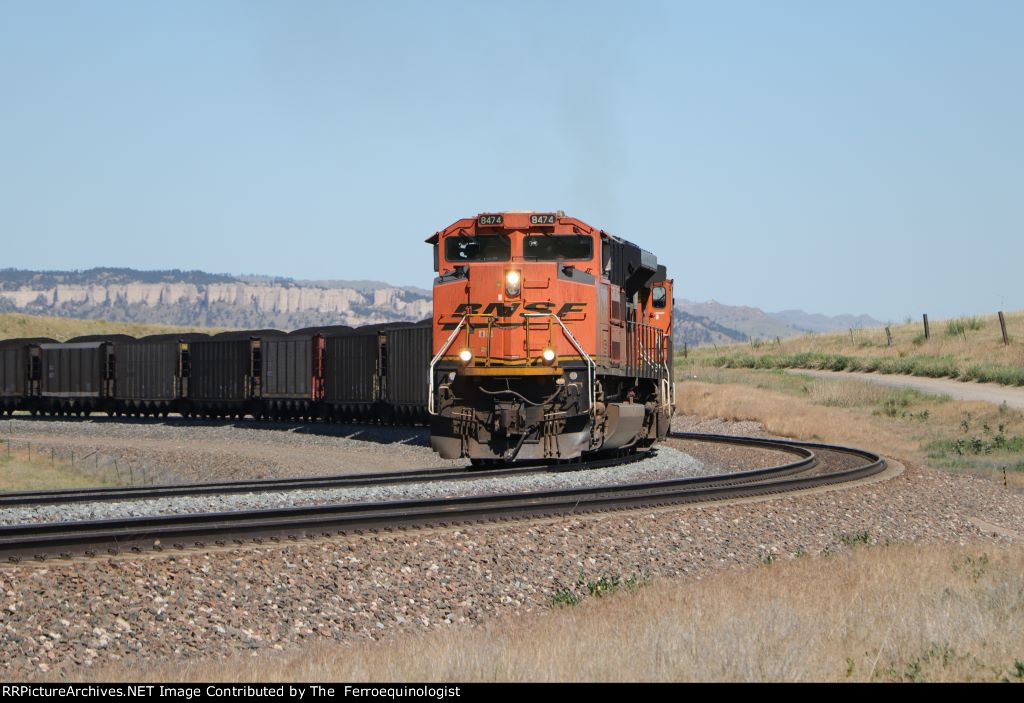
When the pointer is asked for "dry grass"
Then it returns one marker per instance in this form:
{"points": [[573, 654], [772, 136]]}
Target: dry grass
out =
{"points": [[62, 328], [786, 416], [966, 348], [895, 613], [21, 470], [924, 428]]}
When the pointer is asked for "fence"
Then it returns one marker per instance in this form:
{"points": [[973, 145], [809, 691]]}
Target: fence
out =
{"points": [[101, 468], [955, 327]]}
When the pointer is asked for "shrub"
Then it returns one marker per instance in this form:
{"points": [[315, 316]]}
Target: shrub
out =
{"points": [[935, 367], [976, 446], [895, 365], [566, 596], [854, 539], [956, 328], [995, 373], [835, 362]]}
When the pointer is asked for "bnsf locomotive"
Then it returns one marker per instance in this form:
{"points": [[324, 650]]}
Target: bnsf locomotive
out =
{"points": [[551, 339]]}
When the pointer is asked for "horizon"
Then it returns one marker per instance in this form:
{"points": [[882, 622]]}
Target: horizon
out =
{"points": [[857, 159], [679, 300]]}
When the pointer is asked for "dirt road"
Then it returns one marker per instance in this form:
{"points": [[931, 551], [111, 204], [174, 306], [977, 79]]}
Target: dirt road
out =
{"points": [[960, 390]]}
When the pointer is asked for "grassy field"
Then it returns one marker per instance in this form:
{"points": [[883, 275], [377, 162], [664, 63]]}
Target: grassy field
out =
{"points": [[38, 470], [63, 328], [970, 349], [976, 437], [868, 613]]}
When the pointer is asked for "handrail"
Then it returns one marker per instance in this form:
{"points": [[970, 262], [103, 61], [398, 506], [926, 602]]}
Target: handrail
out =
{"points": [[591, 366], [445, 348], [643, 353], [433, 363]]}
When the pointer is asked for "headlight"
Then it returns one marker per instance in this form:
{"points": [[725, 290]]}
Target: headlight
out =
{"points": [[549, 355], [465, 355], [512, 281]]}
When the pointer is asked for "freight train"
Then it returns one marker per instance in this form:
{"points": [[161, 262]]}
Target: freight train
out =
{"points": [[372, 373], [550, 339]]}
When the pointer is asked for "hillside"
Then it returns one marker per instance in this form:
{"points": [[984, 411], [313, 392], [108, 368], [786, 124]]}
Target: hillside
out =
{"points": [[195, 298], [754, 323], [200, 299], [970, 349]]}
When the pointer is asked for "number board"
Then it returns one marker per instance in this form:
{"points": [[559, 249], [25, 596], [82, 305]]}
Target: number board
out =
{"points": [[490, 220], [542, 218]]}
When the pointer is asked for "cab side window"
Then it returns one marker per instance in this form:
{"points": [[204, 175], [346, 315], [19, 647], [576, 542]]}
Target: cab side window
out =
{"points": [[659, 297]]}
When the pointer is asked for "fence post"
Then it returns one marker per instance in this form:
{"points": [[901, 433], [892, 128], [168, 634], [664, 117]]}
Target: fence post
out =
{"points": [[1002, 326], [686, 350], [927, 330], [888, 337], [851, 337]]}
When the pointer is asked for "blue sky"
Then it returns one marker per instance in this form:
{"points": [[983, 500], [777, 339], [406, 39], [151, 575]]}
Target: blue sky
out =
{"points": [[836, 157]]}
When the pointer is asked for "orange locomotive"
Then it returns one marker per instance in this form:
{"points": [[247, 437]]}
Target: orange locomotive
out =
{"points": [[551, 339]]}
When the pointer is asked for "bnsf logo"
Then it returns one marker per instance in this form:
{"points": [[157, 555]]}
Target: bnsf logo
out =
{"points": [[507, 310]]}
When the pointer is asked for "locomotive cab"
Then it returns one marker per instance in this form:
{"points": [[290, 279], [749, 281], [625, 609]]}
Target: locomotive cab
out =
{"points": [[549, 341]]}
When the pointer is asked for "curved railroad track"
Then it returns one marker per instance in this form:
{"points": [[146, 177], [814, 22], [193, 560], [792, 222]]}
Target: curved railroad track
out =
{"points": [[81, 495], [813, 465]]}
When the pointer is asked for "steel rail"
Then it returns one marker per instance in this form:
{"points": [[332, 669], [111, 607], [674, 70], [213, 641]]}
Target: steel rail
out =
{"points": [[113, 493], [203, 529]]}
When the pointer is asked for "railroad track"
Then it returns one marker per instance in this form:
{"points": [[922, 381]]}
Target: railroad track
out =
{"points": [[83, 495], [813, 464]]}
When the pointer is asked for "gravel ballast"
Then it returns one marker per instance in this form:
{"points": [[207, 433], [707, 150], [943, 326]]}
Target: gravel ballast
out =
{"points": [[61, 618], [189, 451], [665, 463]]}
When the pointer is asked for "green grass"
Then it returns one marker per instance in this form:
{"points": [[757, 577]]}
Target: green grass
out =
{"points": [[918, 365], [596, 588], [975, 445], [855, 539], [963, 325], [995, 373]]}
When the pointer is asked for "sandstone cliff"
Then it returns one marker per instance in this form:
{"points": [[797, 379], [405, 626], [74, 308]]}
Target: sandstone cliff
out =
{"points": [[238, 303]]}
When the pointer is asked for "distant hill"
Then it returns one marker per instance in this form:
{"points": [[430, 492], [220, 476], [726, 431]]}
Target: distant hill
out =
{"points": [[200, 299], [739, 323], [696, 331], [195, 298]]}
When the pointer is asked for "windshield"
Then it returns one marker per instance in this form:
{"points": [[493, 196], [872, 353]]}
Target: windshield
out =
{"points": [[482, 247], [558, 247]]}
